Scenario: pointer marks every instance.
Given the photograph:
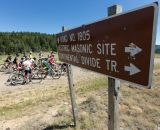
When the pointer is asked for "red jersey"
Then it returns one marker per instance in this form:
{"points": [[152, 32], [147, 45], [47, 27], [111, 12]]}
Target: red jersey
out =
{"points": [[51, 59]]}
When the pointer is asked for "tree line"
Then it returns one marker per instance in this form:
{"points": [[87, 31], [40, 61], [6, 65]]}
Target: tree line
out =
{"points": [[20, 42]]}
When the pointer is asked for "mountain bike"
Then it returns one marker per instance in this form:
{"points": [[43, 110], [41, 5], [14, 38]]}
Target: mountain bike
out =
{"points": [[19, 77], [52, 71], [7, 68], [63, 68]]}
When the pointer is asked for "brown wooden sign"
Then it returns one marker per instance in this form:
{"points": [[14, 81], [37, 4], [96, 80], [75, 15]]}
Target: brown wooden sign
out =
{"points": [[121, 46]]}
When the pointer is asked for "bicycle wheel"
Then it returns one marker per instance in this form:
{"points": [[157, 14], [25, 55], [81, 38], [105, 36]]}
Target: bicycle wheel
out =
{"points": [[9, 69], [10, 75], [35, 73], [17, 79], [37, 76], [2, 68], [56, 74], [63, 70]]}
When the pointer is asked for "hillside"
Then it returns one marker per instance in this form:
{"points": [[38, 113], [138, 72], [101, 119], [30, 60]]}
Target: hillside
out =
{"points": [[18, 42]]}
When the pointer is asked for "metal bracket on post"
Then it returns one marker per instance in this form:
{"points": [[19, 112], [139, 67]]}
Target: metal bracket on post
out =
{"points": [[72, 91], [113, 87]]}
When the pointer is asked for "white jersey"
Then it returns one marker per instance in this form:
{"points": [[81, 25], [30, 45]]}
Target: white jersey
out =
{"points": [[27, 64], [32, 60]]}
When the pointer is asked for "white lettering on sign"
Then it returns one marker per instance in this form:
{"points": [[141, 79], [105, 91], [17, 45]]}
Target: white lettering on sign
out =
{"points": [[84, 35], [113, 49], [63, 48], [82, 48], [72, 37], [90, 61], [63, 39], [68, 57], [111, 65], [80, 36], [106, 48]]}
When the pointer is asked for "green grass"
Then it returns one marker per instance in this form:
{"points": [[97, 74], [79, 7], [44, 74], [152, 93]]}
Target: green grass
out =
{"points": [[157, 55], [92, 85], [14, 109], [7, 110], [156, 66]]}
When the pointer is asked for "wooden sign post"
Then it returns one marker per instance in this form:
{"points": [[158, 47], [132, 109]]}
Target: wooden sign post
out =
{"points": [[113, 88], [72, 91]]}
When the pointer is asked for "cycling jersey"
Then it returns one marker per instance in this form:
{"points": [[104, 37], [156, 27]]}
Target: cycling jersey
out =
{"points": [[27, 65], [45, 64], [51, 60]]}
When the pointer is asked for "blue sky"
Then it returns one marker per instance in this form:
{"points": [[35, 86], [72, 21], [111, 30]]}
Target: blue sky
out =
{"points": [[48, 16]]}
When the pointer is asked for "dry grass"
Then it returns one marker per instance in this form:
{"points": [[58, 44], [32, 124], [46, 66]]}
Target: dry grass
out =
{"points": [[157, 55], [156, 66], [47, 106]]}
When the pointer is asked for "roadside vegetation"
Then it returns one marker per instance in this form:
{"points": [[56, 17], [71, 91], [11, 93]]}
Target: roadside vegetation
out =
{"points": [[20, 42]]}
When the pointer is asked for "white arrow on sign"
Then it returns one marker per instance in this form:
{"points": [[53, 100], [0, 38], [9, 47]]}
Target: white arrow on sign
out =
{"points": [[133, 49], [132, 69]]}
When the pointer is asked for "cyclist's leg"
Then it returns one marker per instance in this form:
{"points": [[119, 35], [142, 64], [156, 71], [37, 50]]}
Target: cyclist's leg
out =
{"points": [[46, 69], [30, 74]]}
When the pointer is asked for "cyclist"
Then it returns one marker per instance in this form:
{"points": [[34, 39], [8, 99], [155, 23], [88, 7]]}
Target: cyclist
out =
{"points": [[27, 68], [15, 61], [51, 59], [30, 55], [40, 55], [33, 61], [46, 66], [22, 60], [8, 61]]}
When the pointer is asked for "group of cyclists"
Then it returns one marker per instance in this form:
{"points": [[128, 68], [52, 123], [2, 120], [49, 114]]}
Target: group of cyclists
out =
{"points": [[28, 63]]}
